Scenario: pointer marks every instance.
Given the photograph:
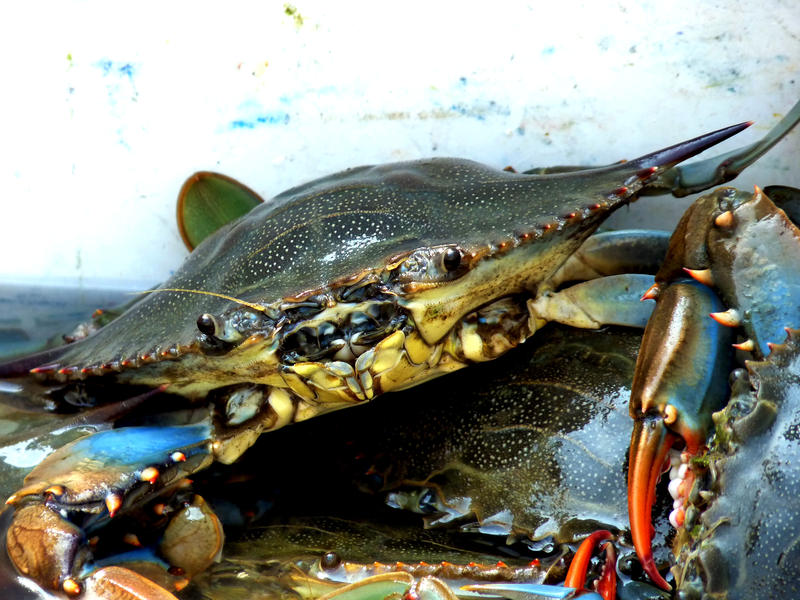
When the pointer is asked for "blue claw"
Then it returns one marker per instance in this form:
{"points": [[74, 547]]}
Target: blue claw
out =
{"points": [[105, 467], [80, 486]]}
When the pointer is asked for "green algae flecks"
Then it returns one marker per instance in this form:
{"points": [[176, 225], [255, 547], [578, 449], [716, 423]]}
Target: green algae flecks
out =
{"points": [[292, 11]]}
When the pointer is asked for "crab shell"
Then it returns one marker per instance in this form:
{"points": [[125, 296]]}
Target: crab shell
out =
{"points": [[358, 283]]}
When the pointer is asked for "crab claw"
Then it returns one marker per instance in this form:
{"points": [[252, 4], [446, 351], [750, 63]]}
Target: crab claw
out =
{"points": [[680, 379], [575, 581], [576, 576], [650, 444]]}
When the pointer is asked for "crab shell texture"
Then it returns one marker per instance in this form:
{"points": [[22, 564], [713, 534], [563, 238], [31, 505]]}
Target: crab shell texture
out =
{"points": [[413, 246], [746, 539], [527, 446]]}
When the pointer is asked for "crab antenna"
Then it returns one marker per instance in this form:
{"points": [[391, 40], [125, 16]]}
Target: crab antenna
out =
{"points": [[258, 307]]}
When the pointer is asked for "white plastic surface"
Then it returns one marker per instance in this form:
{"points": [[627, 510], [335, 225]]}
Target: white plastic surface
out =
{"points": [[107, 108]]}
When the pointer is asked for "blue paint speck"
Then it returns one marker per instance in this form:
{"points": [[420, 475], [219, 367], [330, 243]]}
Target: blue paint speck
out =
{"points": [[109, 67], [272, 118], [462, 80], [105, 65], [126, 69], [548, 51], [467, 111]]}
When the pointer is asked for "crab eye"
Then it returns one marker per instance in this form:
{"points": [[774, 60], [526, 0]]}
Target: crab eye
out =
{"points": [[432, 265], [207, 324], [330, 560], [451, 259]]}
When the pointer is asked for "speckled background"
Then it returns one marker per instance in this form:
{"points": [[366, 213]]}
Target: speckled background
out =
{"points": [[107, 108]]}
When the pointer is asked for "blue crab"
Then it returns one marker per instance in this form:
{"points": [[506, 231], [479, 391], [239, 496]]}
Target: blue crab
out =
{"points": [[318, 300]]}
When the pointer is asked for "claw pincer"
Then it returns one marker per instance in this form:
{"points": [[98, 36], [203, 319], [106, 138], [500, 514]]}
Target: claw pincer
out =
{"points": [[680, 379]]}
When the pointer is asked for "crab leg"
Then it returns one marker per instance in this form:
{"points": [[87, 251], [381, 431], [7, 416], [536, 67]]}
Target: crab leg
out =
{"points": [[592, 304], [680, 379]]}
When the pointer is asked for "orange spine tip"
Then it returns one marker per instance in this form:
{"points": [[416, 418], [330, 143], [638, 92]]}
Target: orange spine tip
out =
{"points": [[71, 587], [747, 346], [728, 318], [645, 173], [651, 293], [113, 504], [56, 490], [700, 275], [149, 474]]}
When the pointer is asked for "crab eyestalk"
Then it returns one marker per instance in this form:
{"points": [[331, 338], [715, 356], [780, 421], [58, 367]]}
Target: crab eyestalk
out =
{"points": [[680, 379]]}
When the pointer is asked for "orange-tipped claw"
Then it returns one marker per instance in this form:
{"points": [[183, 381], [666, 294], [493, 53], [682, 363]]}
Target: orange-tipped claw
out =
{"points": [[650, 445], [606, 586], [576, 576]]}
